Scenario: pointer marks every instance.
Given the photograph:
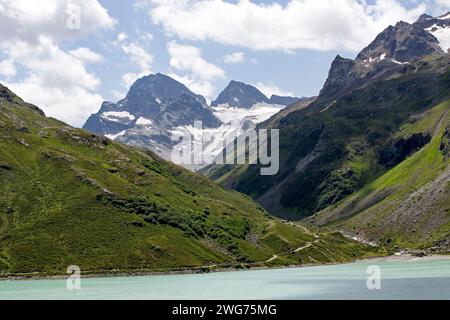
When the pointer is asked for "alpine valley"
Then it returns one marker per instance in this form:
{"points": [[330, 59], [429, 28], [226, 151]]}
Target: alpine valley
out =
{"points": [[69, 197], [370, 155], [364, 171]]}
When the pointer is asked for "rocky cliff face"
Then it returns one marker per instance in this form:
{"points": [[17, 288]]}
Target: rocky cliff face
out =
{"points": [[155, 100], [394, 48], [401, 43], [240, 95], [374, 114], [337, 76], [158, 107], [154, 106]]}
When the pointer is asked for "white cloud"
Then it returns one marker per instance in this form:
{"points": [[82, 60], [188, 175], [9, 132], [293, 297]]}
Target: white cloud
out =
{"points": [[54, 66], [86, 55], [300, 24], [198, 73], [66, 93], [269, 89], [29, 19], [122, 36], [7, 68], [141, 58], [71, 104], [54, 79], [118, 95], [235, 57], [138, 55], [145, 37], [129, 78], [198, 86], [440, 7], [189, 58]]}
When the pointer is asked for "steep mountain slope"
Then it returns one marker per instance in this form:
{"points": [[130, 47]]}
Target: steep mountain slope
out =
{"points": [[349, 136], [156, 98], [240, 107], [396, 46], [158, 109], [68, 197], [409, 206], [154, 106], [302, 104], [240, 95]]}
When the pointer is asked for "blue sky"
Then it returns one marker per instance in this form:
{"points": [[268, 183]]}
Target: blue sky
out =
{"points": [[282, 47], [300, 73]]}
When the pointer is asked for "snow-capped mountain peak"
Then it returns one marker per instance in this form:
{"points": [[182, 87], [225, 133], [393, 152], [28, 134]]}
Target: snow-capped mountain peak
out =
{"points": [[393, 48], [158, 107], [240, 95]]}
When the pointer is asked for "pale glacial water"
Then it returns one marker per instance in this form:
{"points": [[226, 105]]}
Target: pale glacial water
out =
{"points": [[411, 279]]}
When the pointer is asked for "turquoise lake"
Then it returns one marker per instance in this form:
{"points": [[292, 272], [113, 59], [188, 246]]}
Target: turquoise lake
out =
{"points": [[410, 279]]}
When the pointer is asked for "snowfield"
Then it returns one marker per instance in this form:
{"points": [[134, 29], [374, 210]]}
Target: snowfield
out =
{"points": [[144, 122], [236, 121], [442, 34], [115, 136], [212, 141], [258, 113]]}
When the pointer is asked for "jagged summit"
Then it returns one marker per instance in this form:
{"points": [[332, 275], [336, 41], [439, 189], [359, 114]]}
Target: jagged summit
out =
{"points": [[403, 42], [337, 76], [155, 99], [77, 196], [393, 48], [424, 17], [158, 88], [158, 107], [240, 95]]}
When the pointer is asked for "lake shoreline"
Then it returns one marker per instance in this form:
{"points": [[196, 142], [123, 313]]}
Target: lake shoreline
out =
{"points": [[202, 270]]}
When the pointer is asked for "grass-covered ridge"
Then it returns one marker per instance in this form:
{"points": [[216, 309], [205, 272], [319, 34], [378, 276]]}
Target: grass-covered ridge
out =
{"points": [[68, 197]]}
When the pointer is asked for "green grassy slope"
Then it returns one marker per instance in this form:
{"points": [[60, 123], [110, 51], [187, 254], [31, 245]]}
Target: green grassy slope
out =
{"points": [[69, 197], [409, 206], [328, 152], [371, 163]]}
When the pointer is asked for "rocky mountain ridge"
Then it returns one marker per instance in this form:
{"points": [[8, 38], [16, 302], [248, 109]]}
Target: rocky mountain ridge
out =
{"points": [[158, 108], [374, 114]]}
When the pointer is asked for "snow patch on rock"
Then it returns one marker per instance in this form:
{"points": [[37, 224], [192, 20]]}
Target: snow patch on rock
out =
{"points": [[142, 121], [442, 34], [115, 136], [258, 113], [118, 116]]}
